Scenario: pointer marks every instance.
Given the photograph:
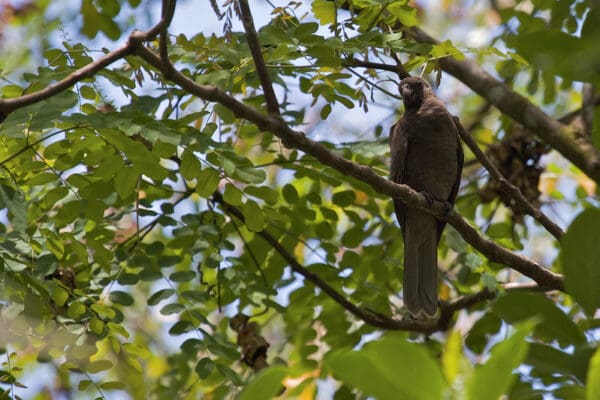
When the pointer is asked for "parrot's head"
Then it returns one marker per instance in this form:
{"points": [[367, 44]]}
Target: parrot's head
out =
{"points": [[413, 90]]}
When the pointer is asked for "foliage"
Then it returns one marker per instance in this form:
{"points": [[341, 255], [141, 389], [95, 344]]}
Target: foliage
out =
{"points": [[140, 222]]}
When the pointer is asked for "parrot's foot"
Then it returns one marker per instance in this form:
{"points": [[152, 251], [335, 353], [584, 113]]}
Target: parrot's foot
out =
{"points": [[428, 197], [447, 209]]}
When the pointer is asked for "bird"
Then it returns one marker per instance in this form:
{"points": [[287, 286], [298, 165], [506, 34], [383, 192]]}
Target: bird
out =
{"points": [[425, 154]]}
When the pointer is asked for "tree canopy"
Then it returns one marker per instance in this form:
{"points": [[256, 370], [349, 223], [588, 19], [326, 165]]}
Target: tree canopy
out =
{"points": [[208, 214]]}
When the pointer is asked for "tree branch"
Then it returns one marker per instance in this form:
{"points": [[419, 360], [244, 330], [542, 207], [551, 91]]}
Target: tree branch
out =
{"points": [[587, 108], [259, 62], [506, 186], [135, 39], [447, 309], [398, 68], [168, 11], [294, 139]]}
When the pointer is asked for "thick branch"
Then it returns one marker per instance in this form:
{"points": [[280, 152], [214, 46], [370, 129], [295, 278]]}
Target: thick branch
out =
{"points": [[295, 139], [259, 62]]}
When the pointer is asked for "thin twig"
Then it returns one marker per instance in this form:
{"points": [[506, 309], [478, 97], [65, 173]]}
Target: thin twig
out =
{"points": [[354, 62], [373, 84]]}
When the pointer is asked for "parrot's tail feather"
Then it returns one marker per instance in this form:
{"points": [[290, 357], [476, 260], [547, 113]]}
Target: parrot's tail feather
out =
{"points": [[420, 265]]}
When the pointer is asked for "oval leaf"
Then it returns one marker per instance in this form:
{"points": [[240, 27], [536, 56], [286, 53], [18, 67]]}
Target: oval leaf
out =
{"points": [[266, 385], [404, 370], [579, 256]]}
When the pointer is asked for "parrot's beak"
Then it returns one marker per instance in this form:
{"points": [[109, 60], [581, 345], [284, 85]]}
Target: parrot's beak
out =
{"points": [[405, 90]]}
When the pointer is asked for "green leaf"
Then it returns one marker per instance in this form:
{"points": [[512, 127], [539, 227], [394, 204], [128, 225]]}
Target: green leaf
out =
{"points": [[204, 367], [12, 91], [172, 308], [84, 384], [68, 213], [255, 220], [120, 297], [207, 182], [403, 370], [290, 194], [250, 174], [41, 179], [489, 324], [113, 385], [60, 296], [159, 296], [98, 366], [230, 374], [452, 356], [579, 257], [593, 377], [182, 276], [181, 327], [53, 196], [76, 309], [325, 111], [344, 198], [96, 326], [55, 246], [554, 323], [557, 51], [266, 385], [324, 11], [404, 13], [263, 192], [354, 236], [225, 114], [504, 358], [232, 195], [548, 361], [190, 165]]}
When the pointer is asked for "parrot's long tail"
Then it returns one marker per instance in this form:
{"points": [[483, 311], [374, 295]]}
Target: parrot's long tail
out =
{"points": [[420, 264]]}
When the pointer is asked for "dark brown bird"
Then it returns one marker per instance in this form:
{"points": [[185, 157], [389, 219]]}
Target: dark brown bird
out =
{"points": [[426, 154]]}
